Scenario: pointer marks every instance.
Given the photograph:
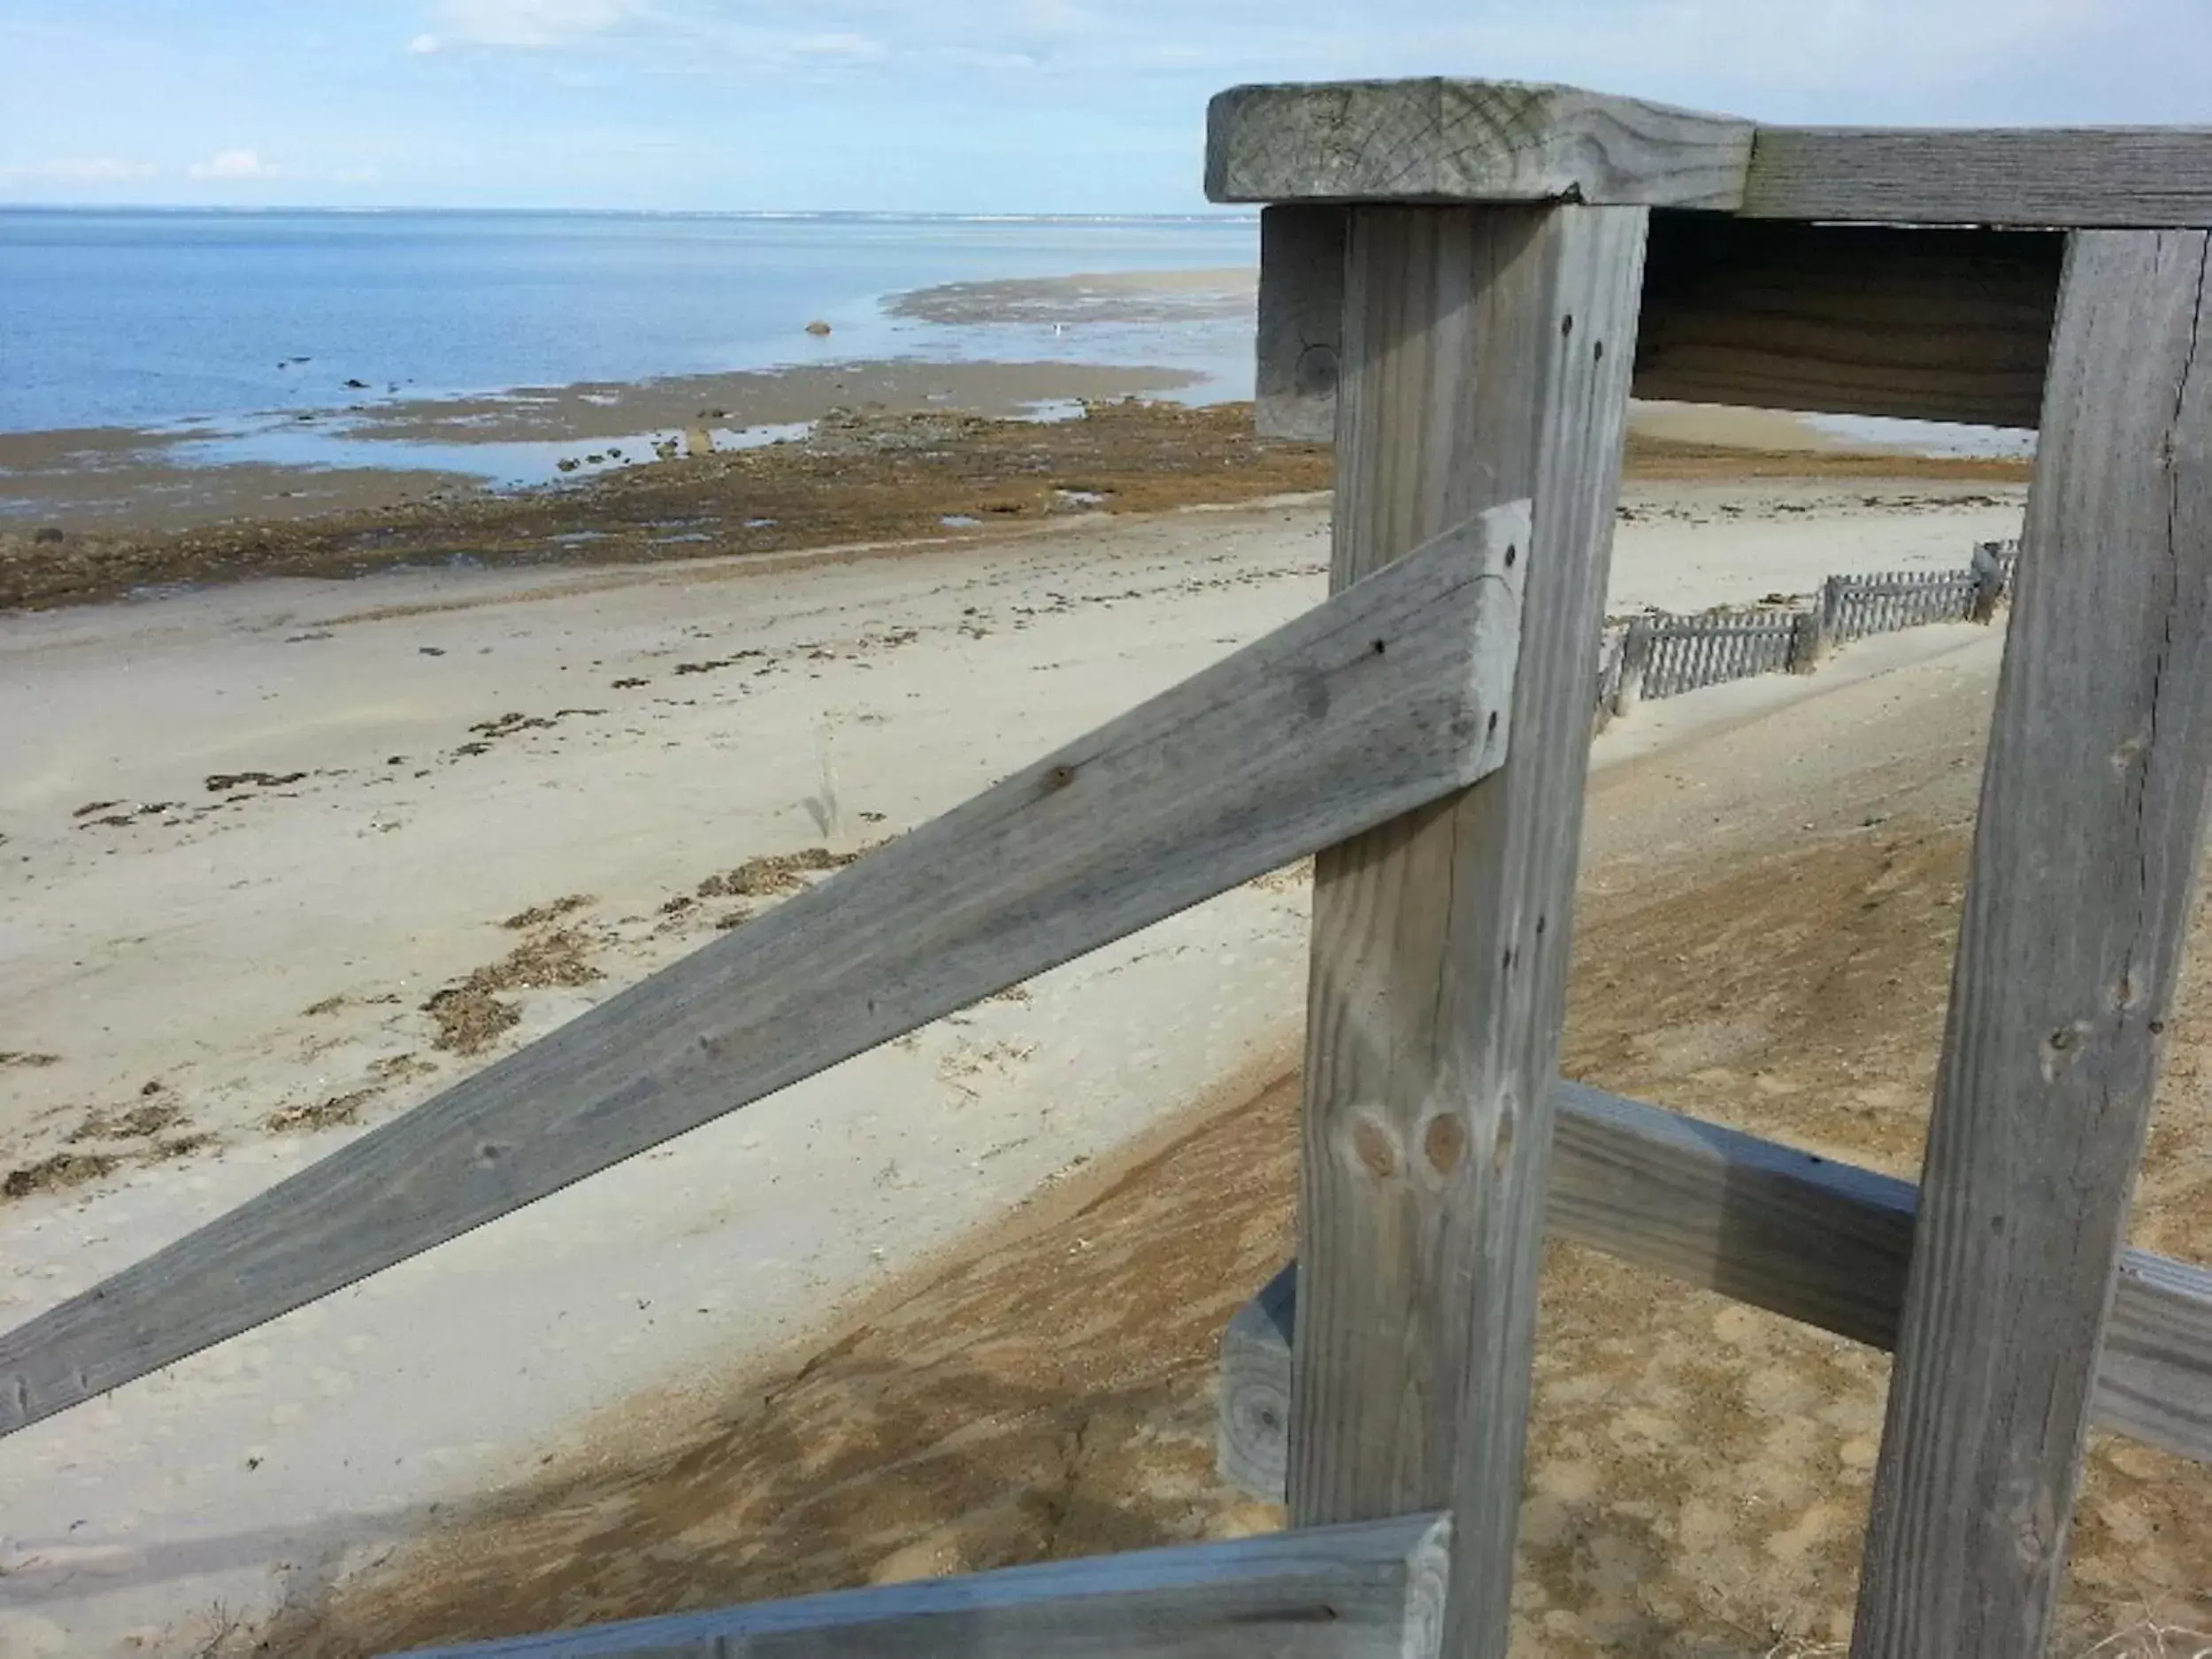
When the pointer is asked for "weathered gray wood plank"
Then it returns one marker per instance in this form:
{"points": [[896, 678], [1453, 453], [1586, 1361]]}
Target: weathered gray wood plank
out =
{"points": [[1394, 693], [2081, 176], [1925, 325], [1486, 352], [1372, 1591], [1807, 1237], [1438, 139], [2085, 852], [1301, 322]]}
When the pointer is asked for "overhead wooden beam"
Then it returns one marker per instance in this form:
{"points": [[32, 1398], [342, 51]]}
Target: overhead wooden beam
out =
{"points": [[2054, 176], [2087, 848], [1921, 324], [1816, 1241], [1438, 139], [1389, 696], [1486, 350], [1372, 1591]]}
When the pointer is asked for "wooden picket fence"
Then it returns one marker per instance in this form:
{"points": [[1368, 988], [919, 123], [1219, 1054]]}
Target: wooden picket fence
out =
{"points": [[1659, 654]]}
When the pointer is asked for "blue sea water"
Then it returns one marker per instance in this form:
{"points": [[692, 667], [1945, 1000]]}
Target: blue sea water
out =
{"points": [[148, 318]]}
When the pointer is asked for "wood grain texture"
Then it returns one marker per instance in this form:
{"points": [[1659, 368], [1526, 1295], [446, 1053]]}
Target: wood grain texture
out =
{"points": [[1392, 694], [2085, 852], [1439, 140], [1922, 325], [1925, 325], [2117, 177], [1826, 1243], [1301, 322], [1373, 1590], [1486, 354]]}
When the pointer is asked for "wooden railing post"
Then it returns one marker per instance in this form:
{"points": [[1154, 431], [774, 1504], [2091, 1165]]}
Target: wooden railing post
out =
{"points": [[1635, 664], [1486, 355], [2085, 854], [1989, 582]]}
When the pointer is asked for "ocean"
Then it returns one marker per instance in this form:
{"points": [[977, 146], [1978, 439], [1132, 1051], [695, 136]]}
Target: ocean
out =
{"points": [[147, 318]]}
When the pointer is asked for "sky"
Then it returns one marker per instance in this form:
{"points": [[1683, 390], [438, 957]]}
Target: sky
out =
{"points": [[1071, 106]]}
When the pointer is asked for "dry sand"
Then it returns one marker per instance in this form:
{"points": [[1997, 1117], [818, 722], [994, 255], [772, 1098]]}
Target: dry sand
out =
{"points": [[255, 832], [1764, 937]]}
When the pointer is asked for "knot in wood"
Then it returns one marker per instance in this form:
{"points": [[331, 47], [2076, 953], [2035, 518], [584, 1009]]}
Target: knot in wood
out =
{"points": [[1375, 1144], [1444, 1143]]}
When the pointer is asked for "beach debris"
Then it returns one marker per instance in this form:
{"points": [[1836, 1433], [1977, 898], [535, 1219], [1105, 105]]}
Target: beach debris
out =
{"points": [[48, 535], [469, 1014], [778, 873], [817, 328], [27, 1057], [139, 1123], [339, 1109], [223, 782], [52, 1175], [567, 464], [539, 915], [357, 386]]}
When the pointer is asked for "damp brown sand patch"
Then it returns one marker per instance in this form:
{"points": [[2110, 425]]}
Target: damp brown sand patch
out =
{"points": [[1699, 1470], [859, 480]]}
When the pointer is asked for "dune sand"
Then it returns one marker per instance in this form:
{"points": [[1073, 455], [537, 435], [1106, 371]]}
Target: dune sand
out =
{"points": [[285, 859]]}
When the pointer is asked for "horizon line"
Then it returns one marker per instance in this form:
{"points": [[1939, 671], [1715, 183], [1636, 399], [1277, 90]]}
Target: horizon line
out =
{"points": [[1225, 214]]}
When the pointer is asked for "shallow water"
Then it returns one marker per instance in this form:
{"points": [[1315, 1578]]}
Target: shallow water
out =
{"points": [[145, 319]]}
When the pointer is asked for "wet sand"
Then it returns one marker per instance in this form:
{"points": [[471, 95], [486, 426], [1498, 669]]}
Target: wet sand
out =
{"points": [[1110, 296], [853, 479], [404, 451]]}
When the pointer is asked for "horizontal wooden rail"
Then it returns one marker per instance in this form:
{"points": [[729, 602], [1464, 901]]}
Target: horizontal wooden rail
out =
{"points": [[1925, 325], [1374, 1590], [1435, 140], [1820, 1241], [1388, 696]]}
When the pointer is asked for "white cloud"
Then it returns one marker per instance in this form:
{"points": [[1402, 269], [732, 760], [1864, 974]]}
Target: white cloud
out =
{"points": [[232, 165], [80, 170], [521, 23], [858, 48]]}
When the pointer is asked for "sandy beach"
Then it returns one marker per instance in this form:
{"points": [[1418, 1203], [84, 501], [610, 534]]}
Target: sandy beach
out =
{"points": [[287, 855]]}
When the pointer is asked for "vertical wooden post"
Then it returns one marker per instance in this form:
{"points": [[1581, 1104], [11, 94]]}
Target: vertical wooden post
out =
{"points": [[1989, 582], [2085, 854], [1831, 615], [1487, 356], [1635, 665]]}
